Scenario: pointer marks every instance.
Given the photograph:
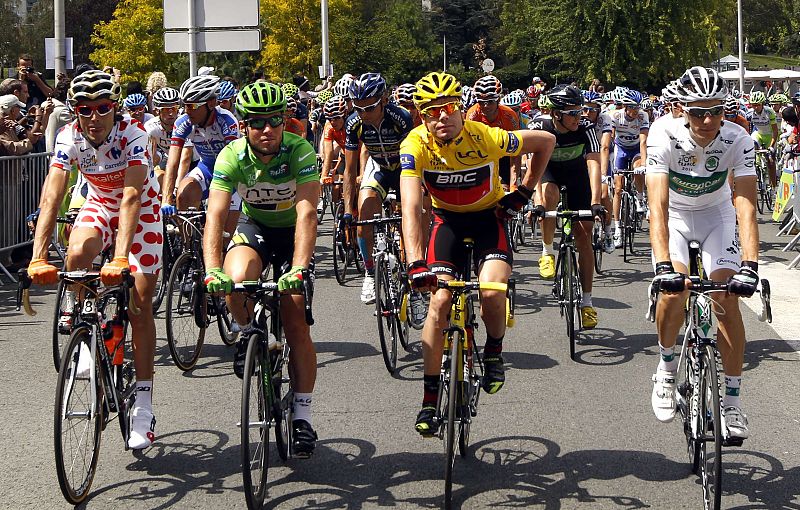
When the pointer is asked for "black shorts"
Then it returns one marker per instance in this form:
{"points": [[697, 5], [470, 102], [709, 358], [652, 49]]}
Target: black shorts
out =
{"points": [[446, 247], [504, 169], [579, 189], [275, 245]]}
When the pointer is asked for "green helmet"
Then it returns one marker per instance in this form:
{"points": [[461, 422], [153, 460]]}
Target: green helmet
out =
{"points": [[260, 98], [324, 96], [779, 98], [758, 97], [545, 102], [290, 89]]}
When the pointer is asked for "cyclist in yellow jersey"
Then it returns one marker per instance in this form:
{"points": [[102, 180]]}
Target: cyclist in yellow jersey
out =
{"points": [[457, 161]]}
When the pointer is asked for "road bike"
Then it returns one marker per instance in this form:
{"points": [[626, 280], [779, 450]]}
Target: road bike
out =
{"points": [[345, 246], [267, 394], [598, 245], [630, 220], [766, 194], [96, 379], [698, 381], [171, 250]]}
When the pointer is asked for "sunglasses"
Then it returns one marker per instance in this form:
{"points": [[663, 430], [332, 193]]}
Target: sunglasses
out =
{"points": [[701, 113], [635, 107], [168, 109], [436, 111], [101, 109], [485, 102], [589, 109], [261, 122], [140, 109], [190, 107], [572, 113], [368, 108]]}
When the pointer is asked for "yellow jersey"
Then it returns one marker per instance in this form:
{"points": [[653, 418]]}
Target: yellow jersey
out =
{"points": [[462, 175]]}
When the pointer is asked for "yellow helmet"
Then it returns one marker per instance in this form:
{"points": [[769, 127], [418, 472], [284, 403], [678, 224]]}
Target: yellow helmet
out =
{"points": [[435, 85]]}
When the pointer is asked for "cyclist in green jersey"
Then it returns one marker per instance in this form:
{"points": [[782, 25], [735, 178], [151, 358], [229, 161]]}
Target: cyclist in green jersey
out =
{"points": [[275, 173]]}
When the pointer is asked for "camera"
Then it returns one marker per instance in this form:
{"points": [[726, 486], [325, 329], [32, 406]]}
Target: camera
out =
{"points": [[30, 70]]}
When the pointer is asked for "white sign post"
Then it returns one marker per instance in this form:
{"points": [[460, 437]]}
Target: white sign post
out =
{"points": [[487, 65], [50, 53]]}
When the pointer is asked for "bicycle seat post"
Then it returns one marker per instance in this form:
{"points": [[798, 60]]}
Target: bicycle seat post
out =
{"points": [[694, 253]]}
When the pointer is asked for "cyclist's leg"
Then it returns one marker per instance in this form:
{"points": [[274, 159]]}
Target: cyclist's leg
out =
{"points": [[192, 190], [638, 179], [232, 221], [244, 261]]}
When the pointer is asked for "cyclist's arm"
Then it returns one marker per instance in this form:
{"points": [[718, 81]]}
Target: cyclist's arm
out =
{"points": [[745, 203], [774, 134], [305, 234], [53, 190], [327, 157], [216, 212], [413, 240], [539, 144], [154, 152], [129, 208], [171, 173], [658, 201], [595, 179], [643, 146], [350, 171], [186, 162], [605, 152], [516, 163]]}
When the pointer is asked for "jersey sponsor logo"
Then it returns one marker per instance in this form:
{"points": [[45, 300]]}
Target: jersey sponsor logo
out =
{"points": [[714, 151], [567, 153], [112, 180], [459, 187], [269, 196], [407, 162], [513, 143], [687, 160], [695, 186], [726, 262], [471, 156], [712, 163], [281, 171]]}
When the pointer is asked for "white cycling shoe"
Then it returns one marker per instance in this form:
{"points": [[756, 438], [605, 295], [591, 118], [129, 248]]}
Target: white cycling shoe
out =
{"points": [[143, 428], [368, 290], [663, 398], [735, 422]]}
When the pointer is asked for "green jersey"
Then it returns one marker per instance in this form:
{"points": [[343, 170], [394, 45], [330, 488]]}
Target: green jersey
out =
{"points": [[268, 191]]}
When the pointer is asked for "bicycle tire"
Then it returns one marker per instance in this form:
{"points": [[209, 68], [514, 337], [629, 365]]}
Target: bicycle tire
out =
{"points": [[633, 221], [597, 247], [254, 439], [769, 200], [569, 302], [285, 417], [163, 276], [450, 431], [511, 233], [59, 339], [465, 397], [224, 321], [385, 314], [180, 316], [341, 249], [624, 213], [685, 390], [67, 380], [710, 407]]}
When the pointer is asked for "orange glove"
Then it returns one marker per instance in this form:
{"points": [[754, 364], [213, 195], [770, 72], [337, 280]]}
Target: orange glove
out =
{"points": [[512, 188], [111, 272], [42, 273], [327, 180]]}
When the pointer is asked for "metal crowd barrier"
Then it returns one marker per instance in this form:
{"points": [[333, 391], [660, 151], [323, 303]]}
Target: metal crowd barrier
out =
{"points": [[21, 179]]}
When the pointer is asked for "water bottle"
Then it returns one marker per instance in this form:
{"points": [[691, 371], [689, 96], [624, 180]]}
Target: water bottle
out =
{"points": [[113, 334], [381, 244]]}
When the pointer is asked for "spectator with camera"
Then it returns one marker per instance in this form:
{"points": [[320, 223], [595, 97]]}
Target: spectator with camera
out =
{"points": [[15, 140], [38, 90]]}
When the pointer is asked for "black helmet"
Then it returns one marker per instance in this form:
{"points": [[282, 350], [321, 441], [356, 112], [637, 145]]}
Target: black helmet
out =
{"points": [[563, 96]]}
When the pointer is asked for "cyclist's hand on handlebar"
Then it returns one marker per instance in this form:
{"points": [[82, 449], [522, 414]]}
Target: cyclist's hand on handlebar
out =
{"points": [[513, 202], [745, 282], [669, 280], [42, 273], [217, 281], [291, 279], [420, 275], [167, 210], [598, 211], [539, 211], [111, 272], [348, 218], [327, 180]]}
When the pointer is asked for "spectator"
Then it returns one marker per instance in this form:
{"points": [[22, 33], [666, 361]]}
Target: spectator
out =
{"points": [[17, 87], [61, 115], [14, 140], [38, 90], [82, 68], [156, 80], [133, 87]]}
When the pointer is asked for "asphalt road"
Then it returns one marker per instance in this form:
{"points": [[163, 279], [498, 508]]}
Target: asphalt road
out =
{"points": [[560, 435]]}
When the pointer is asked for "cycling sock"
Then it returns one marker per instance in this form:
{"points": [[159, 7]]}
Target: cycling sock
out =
{"points": [[362, 247], [430, 384], [616, 225], [493, 346], [668, 362], [586, 299], [144, 395], [732, 387], [608, 229], [545, 249], [302, 407]]}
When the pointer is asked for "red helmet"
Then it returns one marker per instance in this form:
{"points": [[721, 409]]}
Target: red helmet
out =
{"points": [[533, 92]]}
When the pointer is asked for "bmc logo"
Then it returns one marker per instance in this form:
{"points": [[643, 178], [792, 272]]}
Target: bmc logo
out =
{"points": [[459, 178]]}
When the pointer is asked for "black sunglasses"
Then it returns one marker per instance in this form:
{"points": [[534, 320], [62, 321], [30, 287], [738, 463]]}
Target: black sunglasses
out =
{"points": [[572, 113], [261, 122], [700, 112]]}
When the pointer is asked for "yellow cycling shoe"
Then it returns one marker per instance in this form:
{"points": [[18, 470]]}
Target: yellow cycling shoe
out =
{"points": [[547, 267], [588, 317]]}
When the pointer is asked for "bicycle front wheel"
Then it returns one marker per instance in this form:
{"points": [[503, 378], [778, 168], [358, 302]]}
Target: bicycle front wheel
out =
{"points": [[597, 247], [711, 432], [78, 422], [184, 338], [625, 215], [61, 333], [224, 321], [388, 323], [340, 245], [568, 276], [451, 430], [254, 427]]}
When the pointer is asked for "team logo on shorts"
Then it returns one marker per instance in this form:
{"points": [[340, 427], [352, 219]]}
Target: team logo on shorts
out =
{"points": [[712, 163]]}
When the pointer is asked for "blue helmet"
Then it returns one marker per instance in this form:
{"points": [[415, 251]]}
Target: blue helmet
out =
{"points": [[632, 98], [590, 96], [367, 85], [226, 90], [135, 101]]}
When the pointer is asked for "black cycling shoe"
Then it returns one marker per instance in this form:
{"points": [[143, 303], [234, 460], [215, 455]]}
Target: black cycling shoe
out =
{"points": [[304, 439], [494, 374], [239, 357], [426, 421]]}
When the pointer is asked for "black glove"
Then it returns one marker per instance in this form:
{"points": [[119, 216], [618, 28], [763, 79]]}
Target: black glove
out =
{"points": [[598, 211], [539, 211], [347, 218], [420, 275], [513, 202], [745, 282], [669, 280]]}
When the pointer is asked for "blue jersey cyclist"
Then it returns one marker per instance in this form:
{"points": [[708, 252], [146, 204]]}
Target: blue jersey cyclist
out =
{"points": [[380, 127], [209, 128]]}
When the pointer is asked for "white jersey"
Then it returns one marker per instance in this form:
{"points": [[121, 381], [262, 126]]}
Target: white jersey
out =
{"points": [[698, 176], [627, 131], [162, 137]]}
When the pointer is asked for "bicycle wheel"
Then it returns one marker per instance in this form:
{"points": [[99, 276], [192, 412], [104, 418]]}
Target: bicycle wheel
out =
{"points": [[769, 199], [597, 247], [184, 338], [625, 215], [511, 233], [284, 412], [388, 323], [341, 248], [468, 392], [450, 437], [711, 431], [633, 221], [568, 298], [61, 337], [684, 393], [78, 420], [254, 425], [224, 321]]}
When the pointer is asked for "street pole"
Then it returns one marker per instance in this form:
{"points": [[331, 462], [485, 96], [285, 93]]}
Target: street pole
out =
{"points": [[58, 33], [444, 53], [741, 46], [192, 40], [326, 59]]}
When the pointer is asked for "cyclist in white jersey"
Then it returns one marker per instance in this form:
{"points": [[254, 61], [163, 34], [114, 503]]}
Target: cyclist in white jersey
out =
{"points": [[121, 209], [166, 103], [765, 128], [210, 128], [601, 122], [690, 200]]}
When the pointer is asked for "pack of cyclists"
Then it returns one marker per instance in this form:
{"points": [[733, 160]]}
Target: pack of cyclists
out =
{"points": [[460, 160]]}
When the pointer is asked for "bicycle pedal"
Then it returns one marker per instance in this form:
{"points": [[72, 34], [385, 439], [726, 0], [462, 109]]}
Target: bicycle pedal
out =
{"points": [[732, 441]]}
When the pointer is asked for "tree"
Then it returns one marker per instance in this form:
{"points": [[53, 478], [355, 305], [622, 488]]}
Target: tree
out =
{"points": [[464, 23]]}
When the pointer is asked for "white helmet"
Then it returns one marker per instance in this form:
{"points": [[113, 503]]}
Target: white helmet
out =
{"points": [[342, 86], [670, 93], [699, 84], [199, 89]]}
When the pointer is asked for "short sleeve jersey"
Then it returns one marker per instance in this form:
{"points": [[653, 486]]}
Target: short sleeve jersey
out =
{"points": [[506, 117], [627, 131], [208, 141], [163, 138], [335, 135], [763, 122], [462, 175], [698, 176], [295, 126], [104, 167], [383, 142], [268, 191], [571, 148]]}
